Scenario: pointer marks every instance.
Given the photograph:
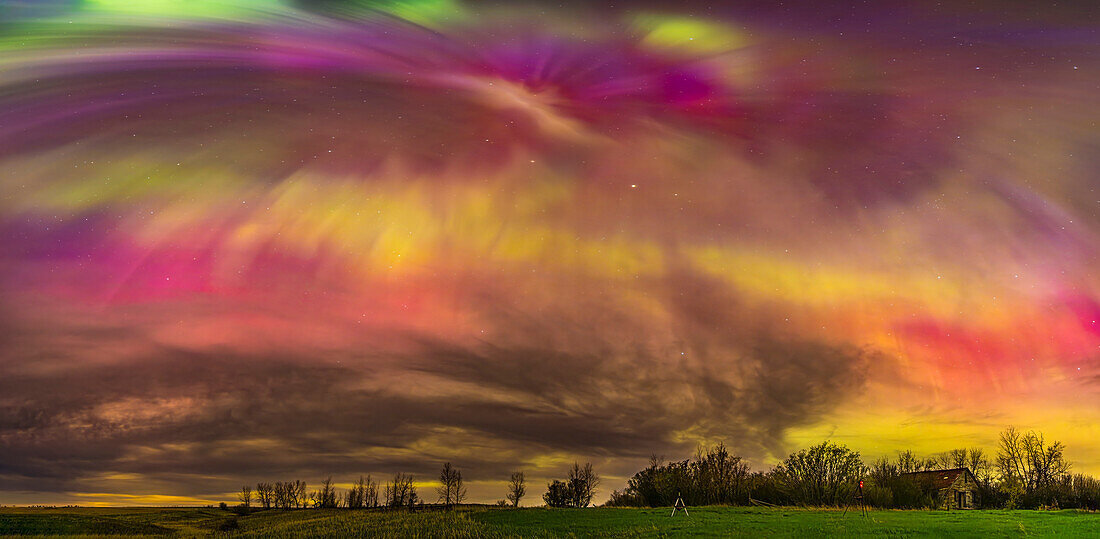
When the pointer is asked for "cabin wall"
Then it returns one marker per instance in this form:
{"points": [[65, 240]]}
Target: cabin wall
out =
{"points": [[962, 494]]}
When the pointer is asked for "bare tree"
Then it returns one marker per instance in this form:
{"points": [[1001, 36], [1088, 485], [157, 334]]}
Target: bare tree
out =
{"points": [[290, 498], [358, 495], [264, 494], [1012, 464], [400, 491], [289, 495], [719, 477], [245, 496], [451, 490], [370, 493], [353, 497], [298, 494], [824, 474], [325, 498], [582, 482], [281, 494], [955, 458], [363, 493], [517, 487], [459, 488], [908, 462], [1027, 463], [979, 464]]}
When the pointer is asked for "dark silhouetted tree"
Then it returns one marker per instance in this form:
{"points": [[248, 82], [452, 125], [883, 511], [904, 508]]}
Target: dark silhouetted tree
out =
{"points": [[517, 487], [325, 497], [824, 474], [1081, 492], [353, 497], [451, 490], [401, 492], [908, 462], [718, 477], [265, 494], [289, 495], [283, 495], [657, 485], [363, 493], [245, 496], [713, 477], [1030, 469], [558, 494], [582, 484], [298, 494], [955, 458], [370, 493], [887, 486]]}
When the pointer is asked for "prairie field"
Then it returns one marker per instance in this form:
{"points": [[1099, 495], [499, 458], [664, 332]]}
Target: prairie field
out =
{"points": [[540, 522]]}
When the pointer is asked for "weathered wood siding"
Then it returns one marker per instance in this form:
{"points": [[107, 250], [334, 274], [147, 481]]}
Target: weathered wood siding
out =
{"points": [[961, 494]]}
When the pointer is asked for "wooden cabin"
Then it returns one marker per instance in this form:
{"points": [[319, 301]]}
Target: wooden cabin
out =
{"points": [[953, 489]]}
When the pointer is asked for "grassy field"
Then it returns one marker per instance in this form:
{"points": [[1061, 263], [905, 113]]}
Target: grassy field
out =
{"points": [[705, 522]]}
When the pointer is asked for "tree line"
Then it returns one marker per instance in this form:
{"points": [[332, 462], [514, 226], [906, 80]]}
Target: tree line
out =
{"points": [[398, 492], [1025, 472]]}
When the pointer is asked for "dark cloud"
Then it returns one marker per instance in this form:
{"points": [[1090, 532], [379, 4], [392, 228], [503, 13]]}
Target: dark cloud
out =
{"points": [[553, 382], [92, 391]]}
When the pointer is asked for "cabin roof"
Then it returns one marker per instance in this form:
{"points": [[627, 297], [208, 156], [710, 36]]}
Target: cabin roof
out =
{"points": [[939, 478]]}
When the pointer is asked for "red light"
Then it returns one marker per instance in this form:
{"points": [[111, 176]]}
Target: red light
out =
{"points": [[860, 483]]}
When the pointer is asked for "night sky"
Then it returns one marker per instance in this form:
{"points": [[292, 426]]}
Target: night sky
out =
{"points": [[263, 240]]}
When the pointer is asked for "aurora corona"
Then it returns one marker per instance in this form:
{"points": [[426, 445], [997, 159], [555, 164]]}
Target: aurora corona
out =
{"points": [[317, 238]]}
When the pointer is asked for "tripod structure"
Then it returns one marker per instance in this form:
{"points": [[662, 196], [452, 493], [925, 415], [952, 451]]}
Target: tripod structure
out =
{"points": [[679, 505], [857, 498]]}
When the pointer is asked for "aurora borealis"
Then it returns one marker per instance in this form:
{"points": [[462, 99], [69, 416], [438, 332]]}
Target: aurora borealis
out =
{"points": [[263, 240]]}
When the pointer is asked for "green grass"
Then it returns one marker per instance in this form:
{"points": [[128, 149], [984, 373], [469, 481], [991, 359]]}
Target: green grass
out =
{"points": [[703, 522], [134, 522], [790, 522]]}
